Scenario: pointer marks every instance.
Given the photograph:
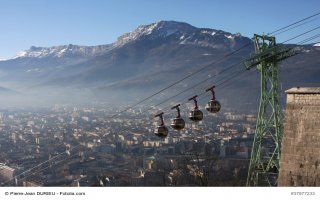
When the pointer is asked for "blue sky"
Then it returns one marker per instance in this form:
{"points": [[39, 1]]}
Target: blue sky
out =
{"points": [[26, 23]]}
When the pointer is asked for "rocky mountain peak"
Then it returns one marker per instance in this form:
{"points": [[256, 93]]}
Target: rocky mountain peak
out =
{"points": [[181, 33]]}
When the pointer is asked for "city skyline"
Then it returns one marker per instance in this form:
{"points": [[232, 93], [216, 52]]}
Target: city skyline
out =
{"points": [[84, 143]]}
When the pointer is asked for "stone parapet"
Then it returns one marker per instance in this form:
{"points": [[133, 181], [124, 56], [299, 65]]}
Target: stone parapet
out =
{"points": [[300, 150]]}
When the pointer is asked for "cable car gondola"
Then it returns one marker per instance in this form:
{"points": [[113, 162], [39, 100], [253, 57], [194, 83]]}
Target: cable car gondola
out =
{"points": [[177, 123], [195, 114], [213, 105], [161, 130]]}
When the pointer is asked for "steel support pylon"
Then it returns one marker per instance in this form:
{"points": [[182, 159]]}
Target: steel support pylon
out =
{"points": [[265, 154]]}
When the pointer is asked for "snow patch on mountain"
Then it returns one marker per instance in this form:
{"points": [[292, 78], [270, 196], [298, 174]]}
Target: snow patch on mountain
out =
{"points": [[33, 70], [206, 32], [20, 54], [158, 29], [209, 32], [317, 45], [229, 36], [62, 51]]}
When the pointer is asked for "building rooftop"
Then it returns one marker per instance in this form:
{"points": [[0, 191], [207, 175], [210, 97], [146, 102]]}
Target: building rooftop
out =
{"points": [[304, 90], [3, 166]]}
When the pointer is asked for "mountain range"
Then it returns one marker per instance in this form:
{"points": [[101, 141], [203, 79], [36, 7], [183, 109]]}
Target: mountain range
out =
{"points": [[145, 60]]}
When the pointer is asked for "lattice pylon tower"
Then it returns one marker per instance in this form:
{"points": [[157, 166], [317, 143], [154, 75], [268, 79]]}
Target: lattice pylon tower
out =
{"points": [[265, 154]]}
